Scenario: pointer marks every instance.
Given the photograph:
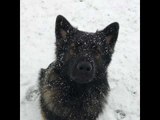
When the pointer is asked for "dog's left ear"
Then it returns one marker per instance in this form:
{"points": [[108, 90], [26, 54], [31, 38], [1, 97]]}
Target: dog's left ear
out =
{"points": [[111, 35], [63, 28]]}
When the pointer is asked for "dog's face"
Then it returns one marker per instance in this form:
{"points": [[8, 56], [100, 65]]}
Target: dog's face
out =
{"points": [[84, 56]]}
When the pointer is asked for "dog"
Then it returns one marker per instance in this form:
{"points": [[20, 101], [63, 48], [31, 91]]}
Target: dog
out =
{"points": [[75, 85]]}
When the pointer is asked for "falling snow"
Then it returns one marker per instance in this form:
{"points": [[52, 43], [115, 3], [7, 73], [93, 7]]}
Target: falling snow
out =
{"points": [[38, 50]]}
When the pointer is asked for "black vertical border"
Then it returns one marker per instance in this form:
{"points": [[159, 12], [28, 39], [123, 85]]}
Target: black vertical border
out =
{"points": [[149, 60], [10, 60]]}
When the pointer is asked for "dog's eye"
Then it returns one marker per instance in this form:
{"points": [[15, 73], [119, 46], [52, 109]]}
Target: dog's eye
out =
{"points": [[97, 53], [72, 52], [72, 49]]}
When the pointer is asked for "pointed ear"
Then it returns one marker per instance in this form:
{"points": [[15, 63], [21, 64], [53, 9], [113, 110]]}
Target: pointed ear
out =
{"points": [[111, 35], [63, 28]]}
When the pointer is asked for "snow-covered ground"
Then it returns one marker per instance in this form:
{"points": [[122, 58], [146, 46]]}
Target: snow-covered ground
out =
{"points": [[37, 49]]}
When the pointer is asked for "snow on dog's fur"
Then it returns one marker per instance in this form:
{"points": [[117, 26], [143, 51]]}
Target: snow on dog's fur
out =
{"points": [[75, 85]]}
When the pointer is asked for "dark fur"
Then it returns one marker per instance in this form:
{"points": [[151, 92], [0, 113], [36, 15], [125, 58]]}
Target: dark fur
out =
{"points": [[63, 98]]}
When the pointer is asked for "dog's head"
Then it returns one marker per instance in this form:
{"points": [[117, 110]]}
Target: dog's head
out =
{"points": [[84, 56]]}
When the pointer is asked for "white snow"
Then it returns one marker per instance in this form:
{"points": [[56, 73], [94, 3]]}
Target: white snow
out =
{"points": [[37, 38]]}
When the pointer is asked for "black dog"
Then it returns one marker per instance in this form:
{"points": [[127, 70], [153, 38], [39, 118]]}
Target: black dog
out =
{"points": [[75, 86]]}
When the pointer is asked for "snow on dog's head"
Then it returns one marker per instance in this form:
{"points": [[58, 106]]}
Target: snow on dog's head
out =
{"points": [[84, 55]]}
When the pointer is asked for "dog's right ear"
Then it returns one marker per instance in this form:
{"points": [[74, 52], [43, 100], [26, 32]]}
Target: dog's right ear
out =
{"points": [[111, 35], [63, 28]]}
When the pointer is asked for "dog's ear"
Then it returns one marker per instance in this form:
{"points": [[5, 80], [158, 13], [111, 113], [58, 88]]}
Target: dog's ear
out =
{"points": [[111, 35], [63, 28]]}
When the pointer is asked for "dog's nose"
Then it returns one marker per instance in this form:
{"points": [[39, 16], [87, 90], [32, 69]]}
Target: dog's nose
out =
{"points": [[84, 67]]}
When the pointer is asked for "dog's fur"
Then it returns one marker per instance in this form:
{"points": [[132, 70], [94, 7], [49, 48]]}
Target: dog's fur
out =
{"points": [[62, 97]]}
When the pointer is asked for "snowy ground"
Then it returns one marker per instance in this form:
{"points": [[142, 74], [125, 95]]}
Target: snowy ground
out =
{"points": [[37, 50]]}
